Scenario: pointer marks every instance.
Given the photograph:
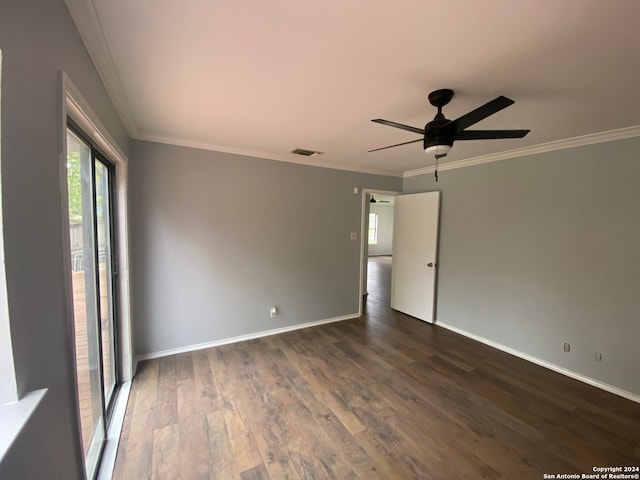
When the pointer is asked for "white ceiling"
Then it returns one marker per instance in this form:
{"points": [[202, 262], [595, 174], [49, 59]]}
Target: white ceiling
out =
{"points": [[262, 78]]}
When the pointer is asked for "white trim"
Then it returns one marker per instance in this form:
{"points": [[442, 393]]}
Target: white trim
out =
{"points": [[377, 191], [86, 19], [543, 363], [88, 24], [609, 136], [289, 157], [242, 338], [108, 462], [8, 385], [14, 416], [76, 107]]}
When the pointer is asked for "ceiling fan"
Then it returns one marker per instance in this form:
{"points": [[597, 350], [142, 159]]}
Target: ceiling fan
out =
{"points": [[373, 200], [440, 133]]}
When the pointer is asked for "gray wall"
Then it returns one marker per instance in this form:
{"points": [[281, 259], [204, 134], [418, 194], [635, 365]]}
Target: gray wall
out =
{"points": [[385, 229], [38, 39], [217, 239], [541, 250]]}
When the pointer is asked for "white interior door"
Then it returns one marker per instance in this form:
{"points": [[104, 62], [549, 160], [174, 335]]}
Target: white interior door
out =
{"points": [[415, 246]]}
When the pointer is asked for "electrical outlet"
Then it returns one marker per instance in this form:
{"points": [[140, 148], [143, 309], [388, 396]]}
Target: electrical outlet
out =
{"points": [[567, 347], [597, 357], [274, 311]]}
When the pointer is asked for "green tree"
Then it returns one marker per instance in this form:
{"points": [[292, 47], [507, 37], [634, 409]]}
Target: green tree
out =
{"points": [[74, 181]]}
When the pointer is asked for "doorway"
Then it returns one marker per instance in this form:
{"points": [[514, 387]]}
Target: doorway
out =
{"points": [[90, 186], [413, 262], [378, 297], [377, 233]]}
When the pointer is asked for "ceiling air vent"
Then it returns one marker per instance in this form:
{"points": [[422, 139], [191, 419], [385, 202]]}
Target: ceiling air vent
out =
{"points": [[306, 153]]}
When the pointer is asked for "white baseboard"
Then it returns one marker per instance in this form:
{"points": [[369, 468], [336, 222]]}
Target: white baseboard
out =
{"points": [[241, 338], [543, 363]]}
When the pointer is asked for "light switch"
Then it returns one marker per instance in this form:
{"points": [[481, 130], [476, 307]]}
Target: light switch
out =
{"points": [[354, 235]]}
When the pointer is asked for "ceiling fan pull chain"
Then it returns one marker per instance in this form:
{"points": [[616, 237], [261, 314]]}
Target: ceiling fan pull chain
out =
{"points": [[436, 172]]}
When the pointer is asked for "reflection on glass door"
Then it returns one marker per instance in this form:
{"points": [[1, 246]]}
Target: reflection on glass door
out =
{"points": [[89, 178], [105, 269]]}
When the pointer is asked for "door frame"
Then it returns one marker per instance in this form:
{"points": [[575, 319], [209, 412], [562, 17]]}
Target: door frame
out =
{"points": [[75, 107], [97, 156], [364, 246]]}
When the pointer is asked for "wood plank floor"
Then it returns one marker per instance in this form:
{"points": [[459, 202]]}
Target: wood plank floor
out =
{"points": [[382, 396]]}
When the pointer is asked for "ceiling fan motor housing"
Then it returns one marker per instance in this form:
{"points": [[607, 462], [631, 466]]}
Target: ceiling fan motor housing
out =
{"points": [[434, 134]]}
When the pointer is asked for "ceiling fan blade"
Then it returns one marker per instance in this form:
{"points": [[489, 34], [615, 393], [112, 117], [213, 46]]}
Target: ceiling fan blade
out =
{"points": [[480, 113], [490, 134], [398, 125], [396, 145]]}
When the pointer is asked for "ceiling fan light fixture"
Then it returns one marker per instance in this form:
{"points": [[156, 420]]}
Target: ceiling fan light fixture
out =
{"points": [[440, 133], [437, 149]]}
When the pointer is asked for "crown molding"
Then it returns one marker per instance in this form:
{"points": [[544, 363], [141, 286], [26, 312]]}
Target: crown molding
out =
{"points": [[86, 20], [593, 138], [289, 158], [90, 29]]}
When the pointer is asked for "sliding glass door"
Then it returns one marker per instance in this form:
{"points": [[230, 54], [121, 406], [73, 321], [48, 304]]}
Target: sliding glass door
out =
{"points": [[90, 188]]}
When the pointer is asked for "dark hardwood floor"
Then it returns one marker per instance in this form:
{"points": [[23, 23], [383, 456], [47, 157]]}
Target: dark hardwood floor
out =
{"points": [[381, 396]]}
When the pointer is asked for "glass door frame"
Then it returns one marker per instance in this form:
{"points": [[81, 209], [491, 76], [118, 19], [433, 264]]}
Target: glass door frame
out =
{"points": [[113, 275], [107, 405]]}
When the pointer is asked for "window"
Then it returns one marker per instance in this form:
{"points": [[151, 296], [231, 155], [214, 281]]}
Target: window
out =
{"points": [[373, 229]]}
